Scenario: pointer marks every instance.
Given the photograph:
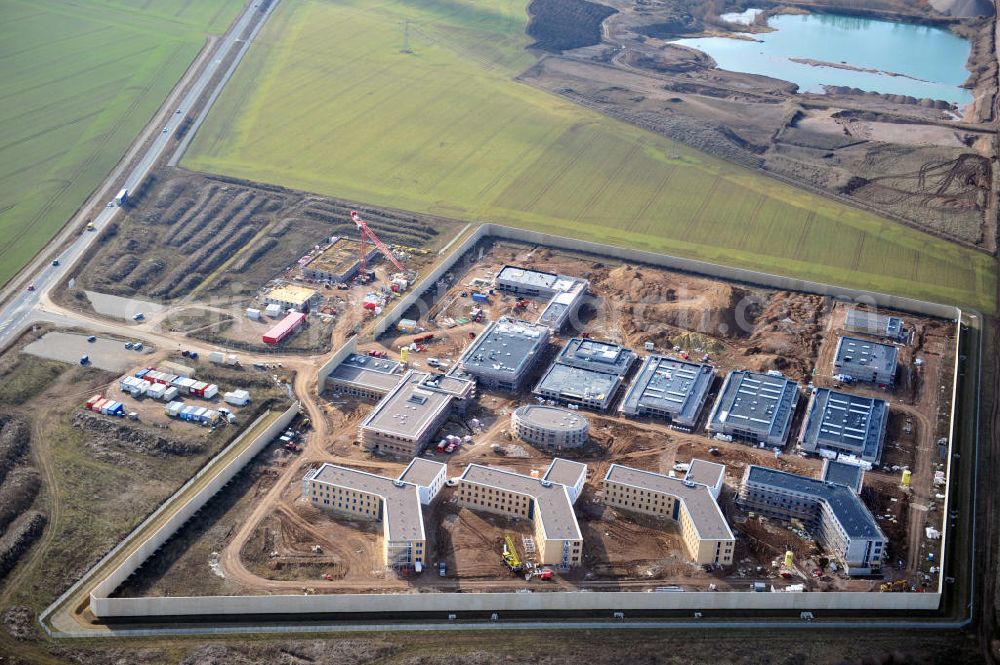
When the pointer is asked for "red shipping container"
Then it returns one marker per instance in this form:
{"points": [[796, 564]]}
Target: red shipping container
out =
{"points": [[284, 328]]}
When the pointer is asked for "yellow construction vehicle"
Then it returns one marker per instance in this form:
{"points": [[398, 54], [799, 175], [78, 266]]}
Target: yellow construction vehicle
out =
{"points": [[510, 557]]}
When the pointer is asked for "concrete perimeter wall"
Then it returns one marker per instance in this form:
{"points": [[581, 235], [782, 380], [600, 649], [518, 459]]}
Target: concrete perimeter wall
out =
{"points": [[331, 364], [105, 607], [721, 271], [420, 288], [145, 549], [445, 603]]}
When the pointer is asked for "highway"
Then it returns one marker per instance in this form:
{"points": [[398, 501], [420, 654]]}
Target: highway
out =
{"points": [[20, 311]]}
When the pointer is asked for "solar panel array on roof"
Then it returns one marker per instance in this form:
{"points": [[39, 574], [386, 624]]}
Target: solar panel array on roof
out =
{"points": [[670, 388], [845, 423], [755, 407]]}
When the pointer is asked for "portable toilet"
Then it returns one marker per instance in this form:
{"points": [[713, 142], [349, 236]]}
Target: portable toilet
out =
{"points": [[907, 474], [404, 353]]}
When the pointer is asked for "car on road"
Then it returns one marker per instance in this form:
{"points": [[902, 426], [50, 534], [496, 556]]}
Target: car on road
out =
{"points": [[128, 345], [55, 262], [164, 130], [31, 287], [138, 316], [92, 338]]}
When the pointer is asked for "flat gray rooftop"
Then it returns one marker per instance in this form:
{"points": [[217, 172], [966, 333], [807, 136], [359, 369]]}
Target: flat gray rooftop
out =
{"points": [[421, 472], [705, 472], [450, 384], [697, 499], [597, 356], [756, 402], [407, 410], [550, 417], [666, 384], [845, 421], [854, 352], [861, 320], [582, 384], [505, 346], [552, 504], [368, 372], [528, 277], [565, 472], [848, 508], [401, 512], [843, 473]]}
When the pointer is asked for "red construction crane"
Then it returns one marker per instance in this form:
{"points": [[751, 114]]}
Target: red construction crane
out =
{"points": [[368, 234]]}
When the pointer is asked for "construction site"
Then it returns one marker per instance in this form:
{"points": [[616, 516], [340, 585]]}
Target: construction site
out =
{"points": [[224, 261], [271, 534]]}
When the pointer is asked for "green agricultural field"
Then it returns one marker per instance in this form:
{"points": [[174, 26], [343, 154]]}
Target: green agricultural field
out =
{"points": [[327, 102], [77, 83]]}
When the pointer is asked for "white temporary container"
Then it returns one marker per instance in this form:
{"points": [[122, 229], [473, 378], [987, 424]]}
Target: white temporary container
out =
{"points": [[216, 357], [174, 408], [253, 313], [273, 310], [170, 393], [237, 397], [231, 359], [156, 390], [211, 391]]}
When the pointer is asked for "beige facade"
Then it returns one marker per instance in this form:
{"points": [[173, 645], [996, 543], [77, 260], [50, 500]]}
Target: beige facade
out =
{"points": [[547, 504], [394, 503], [704, 530], [549, 426]]}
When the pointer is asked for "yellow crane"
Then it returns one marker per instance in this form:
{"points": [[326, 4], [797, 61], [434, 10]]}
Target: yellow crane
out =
{"points": [[510, 556]]}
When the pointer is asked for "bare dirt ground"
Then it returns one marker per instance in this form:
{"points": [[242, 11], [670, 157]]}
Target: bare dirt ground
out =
{"points": [[902, 157], [737, 326], [193, 252]]}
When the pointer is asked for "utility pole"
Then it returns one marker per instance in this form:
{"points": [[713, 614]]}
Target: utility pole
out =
{"points": [[406, 37]]}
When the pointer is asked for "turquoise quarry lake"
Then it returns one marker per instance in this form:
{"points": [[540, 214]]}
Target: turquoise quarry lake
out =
{"points": [[916, 60]]}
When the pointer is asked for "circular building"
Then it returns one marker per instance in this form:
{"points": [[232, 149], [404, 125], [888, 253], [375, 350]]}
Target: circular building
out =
{"points": [[549, 426]]}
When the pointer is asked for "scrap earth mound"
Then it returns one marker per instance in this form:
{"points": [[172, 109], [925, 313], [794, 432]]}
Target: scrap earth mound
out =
{"points": [[112, 434], [653, 307], [787, 335]]}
